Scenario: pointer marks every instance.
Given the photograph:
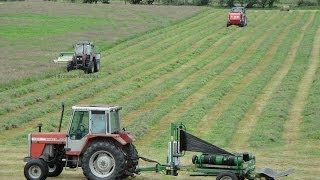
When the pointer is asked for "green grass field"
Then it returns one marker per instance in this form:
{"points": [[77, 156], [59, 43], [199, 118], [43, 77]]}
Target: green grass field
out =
{"points": [[33, 33], [253, 89]]}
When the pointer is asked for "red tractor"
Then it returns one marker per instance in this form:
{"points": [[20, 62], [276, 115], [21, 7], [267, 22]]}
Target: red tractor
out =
{"points": [[93, 141], [86, 57], [237, 16]]}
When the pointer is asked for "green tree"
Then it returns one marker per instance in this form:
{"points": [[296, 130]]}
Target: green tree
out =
{"points": [[230, 3]]}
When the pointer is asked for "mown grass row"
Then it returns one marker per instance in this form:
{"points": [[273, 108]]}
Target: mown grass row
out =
{"points": [[148, 38], [30, 84], [204, 56], [218, 58], [311, 115], [198, 110], [46, 94], [311, 123], [18, 91], [42, 94], [270, 126], [227, 123], [99, 86], [112, 93], [212, 37], [141, 125]]}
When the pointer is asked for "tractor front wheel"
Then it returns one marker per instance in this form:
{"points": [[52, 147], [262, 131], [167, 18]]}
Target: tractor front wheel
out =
{"points": [[70, 66], [36, 169], [103, 160], [227, 175], [90, 67], [96, 66]]}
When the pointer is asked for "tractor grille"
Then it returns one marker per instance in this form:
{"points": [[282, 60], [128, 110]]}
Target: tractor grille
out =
{"points": [[79, 60]]}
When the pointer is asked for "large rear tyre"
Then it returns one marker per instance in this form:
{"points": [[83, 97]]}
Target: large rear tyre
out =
{"points": [[55, 169], [36, 169], [227, 175], [103, 160]]}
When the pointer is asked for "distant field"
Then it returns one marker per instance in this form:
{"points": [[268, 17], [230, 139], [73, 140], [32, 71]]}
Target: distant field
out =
{"points": [[253, 89], [32, 33]]}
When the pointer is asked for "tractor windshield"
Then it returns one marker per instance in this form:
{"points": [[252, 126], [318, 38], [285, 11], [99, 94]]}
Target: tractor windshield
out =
{"points": [[79, 125], [82, 49]]}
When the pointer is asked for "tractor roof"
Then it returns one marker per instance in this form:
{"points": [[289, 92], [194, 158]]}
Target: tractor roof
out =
{"points": [[84, 42], [101, 107], [237, 9]]}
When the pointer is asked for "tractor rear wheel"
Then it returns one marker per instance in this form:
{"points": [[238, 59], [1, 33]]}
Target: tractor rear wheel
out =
{"points": [[227, 175], [55, 169], [36, 169], [103, 160]]}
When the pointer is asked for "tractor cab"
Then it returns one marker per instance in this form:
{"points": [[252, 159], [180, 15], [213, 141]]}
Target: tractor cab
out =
{"points": [[93, 141], [83, 48], [238, 10], [89, 121]]}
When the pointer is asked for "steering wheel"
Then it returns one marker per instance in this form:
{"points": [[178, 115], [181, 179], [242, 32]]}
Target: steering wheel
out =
{"points": [[80, 131]]}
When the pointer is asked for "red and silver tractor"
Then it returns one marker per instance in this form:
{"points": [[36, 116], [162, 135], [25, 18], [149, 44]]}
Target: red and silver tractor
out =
{"points": [[86, 57], [93, 141], [237, 16]]}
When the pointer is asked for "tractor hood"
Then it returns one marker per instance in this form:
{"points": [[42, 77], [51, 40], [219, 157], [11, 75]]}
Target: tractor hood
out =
{"points": [[51, 137]]}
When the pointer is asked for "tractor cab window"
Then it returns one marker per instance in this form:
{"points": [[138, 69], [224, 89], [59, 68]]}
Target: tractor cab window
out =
{"points": [[98, 122], [79, 49], [79, 125], [87, 49], [114, 121], [237, 10]]}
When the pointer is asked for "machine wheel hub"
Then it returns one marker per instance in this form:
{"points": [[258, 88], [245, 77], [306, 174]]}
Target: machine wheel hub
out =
{"points": [[35, 171], [102, 164]]}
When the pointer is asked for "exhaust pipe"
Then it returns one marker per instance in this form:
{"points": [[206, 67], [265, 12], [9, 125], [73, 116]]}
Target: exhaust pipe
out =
{"points": [[39, 126], [61, 117]]}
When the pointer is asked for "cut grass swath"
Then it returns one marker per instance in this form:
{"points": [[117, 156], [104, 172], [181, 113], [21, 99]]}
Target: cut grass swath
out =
{"points": [[269, 128]]}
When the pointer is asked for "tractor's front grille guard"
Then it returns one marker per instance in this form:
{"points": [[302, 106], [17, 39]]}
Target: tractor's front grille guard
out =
{"points": [[79, 60]]}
